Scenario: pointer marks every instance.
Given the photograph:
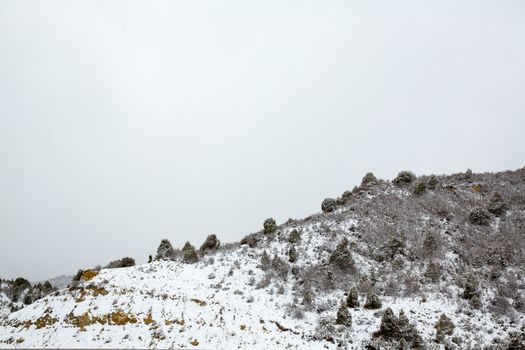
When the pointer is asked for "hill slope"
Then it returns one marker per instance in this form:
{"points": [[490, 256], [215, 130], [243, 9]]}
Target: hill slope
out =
{"points": [[417, 263]]}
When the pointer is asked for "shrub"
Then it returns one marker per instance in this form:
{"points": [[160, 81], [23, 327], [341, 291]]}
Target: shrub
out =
{"points": [[21, 283], [420, 188], [368, 178], [211, 243], [433, 272], [346, 197], [394, 246], [189, 254], [269, 225], [250, 240], [373, 302], [443, 327], [431, 245], [328, 205], [343, 316], [292, 254], [353, 298], [28, 299], [480, 217], [471, 288], [165, 251], [294, 236], [399, 330], [124, 262], [342, 257], [404, 178], [280, 267], [266, 263], [432, 182], [497, 204]]}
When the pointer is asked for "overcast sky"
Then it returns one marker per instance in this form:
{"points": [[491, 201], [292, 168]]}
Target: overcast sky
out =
{"points": [[125, 122]]}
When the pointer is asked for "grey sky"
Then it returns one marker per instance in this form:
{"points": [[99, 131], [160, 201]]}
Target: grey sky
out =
{"points": [[124, 122]]}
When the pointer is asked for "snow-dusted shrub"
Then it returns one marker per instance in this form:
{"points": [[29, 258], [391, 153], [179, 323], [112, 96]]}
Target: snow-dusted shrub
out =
{"points": [[393, 247], [165, 251], [471, 291], [497, 205], [352, 300], [328, 205], [432, 245], [404, 178], [367, 179], [189, 254], [211, 243], [28, 299], [433, 271], [269, 225], [342, 257], [420, 188], [294, 236], [373, 302], [251, 240], [500, 305], [479, 216], [444, 327], [292, 254], [20, 284], [280, 267], [266, 262], [398, 332], [124, 262], [432, 182], [264, 282], [343, 316], [346, 197]]}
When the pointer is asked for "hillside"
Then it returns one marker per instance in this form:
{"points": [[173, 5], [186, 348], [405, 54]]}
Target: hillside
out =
{"points": [[430, 262]]}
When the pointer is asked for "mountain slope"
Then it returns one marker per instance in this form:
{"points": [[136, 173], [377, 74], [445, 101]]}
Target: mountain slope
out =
{"points": [[431, 246]]}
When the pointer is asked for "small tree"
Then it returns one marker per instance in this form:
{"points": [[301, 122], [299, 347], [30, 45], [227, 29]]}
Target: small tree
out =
{"points": [[189, 254], [328, 205], [497, 205], [343, 316], [420, 188], [432, 182], [165, 251], [353, 298], [368, 179], [292, 254], [373, 302], [443, 327], [294, 236], [479, 216], [124, 262], [404, 178], [342, 257], [269, 225], [211, 243], [266, 262]]}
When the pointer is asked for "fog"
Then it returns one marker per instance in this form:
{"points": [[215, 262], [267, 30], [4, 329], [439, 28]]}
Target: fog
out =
{"points": [[125, 122]]}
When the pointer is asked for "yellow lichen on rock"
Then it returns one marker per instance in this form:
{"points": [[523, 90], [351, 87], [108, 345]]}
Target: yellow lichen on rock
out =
{"points": [[194, 342], [45, 320], [89, 275], [199, 302], [149, 319]]}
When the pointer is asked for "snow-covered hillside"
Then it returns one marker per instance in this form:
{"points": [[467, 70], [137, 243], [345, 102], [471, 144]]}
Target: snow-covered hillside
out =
{"points": [[394, 245]]}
